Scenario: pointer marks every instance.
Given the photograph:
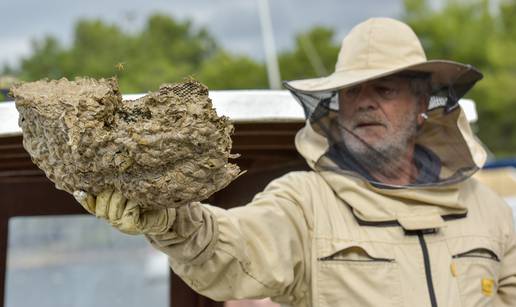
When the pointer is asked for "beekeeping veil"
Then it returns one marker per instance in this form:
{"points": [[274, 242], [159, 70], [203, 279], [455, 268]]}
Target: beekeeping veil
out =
{"points": [[445, 149]]}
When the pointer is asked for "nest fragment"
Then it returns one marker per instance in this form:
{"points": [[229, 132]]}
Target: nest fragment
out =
{"points": [[166, 149]]}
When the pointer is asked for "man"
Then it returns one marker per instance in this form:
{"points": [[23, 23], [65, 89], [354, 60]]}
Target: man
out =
{"points": [[388, 216]]}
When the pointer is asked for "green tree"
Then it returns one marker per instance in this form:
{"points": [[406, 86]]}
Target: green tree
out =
{"points": [[165, 50], [46, 60], [96, 49], [471, 32], [225, 71], [314, 55]]}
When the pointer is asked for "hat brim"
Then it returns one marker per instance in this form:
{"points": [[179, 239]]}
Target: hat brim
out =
{"points": [[443, 73]]}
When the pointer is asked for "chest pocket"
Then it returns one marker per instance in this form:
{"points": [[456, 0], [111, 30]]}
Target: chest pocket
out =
{"points": [[351, 274], [476, 264]]}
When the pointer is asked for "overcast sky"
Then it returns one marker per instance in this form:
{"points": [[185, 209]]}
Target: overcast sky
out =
{"points": [[234, 23]]}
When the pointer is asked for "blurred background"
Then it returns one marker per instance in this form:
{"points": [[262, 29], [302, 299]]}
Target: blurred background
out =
{"points": [[226, 44]]}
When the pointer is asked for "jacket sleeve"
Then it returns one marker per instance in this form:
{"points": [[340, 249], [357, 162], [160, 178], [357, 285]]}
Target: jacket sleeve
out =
{"points": [[507, 280], [260, 250]]}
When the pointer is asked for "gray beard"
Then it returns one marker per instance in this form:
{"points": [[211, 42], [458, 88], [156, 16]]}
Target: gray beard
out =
{"points": [[384, 157], [384, 160]]}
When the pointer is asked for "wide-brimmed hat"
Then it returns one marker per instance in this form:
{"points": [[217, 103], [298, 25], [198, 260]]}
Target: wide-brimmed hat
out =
{"points": [[380, 47]]}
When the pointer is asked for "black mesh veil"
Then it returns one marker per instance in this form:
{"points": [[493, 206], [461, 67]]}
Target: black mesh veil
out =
{"points": [[440, 146]]}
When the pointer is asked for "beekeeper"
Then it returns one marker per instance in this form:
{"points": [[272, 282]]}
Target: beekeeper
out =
{"points": [[389, 214]]}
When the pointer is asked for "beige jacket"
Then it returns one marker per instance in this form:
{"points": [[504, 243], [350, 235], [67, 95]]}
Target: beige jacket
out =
{"points": [[325, 239]]}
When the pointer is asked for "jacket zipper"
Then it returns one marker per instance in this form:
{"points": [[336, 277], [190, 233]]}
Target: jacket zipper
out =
{"points": [[428, 271], [478, 253], [371, 259]]}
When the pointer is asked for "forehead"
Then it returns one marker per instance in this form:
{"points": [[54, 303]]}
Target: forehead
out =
{"points": [[398, 83]]}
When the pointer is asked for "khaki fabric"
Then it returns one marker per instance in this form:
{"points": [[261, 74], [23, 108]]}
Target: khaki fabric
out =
{"points": [[301, 244], [380, 47], [324, 239], [446, 152], [501, 180], [327, 238]]}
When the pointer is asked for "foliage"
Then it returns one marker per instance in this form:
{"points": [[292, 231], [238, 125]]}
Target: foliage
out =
{"points": [[226, 71], [314, 55], [475, 32], [167, 50]]}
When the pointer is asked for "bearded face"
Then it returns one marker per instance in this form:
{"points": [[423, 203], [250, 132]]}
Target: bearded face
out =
{"points": [[378, 122]]}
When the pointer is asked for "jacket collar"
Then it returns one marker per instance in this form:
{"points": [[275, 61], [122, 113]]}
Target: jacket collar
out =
{"points": [[411, 207]]}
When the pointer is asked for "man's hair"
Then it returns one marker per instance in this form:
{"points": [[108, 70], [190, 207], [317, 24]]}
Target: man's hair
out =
{"points": [[420, 82], [421, 87]]}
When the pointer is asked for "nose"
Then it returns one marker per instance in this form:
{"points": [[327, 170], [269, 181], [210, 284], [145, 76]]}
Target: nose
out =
{"points": [[366, 99]]}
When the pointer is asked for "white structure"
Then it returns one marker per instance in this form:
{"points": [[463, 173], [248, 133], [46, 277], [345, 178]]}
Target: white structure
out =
{"points": [[239, 105]]}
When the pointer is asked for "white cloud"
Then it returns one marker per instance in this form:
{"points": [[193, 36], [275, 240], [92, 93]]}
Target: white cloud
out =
{"points": [[234, 23], [13, 48]]}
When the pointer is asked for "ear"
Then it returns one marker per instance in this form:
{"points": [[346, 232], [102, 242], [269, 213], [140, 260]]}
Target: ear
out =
{"points": [[422, 105]]}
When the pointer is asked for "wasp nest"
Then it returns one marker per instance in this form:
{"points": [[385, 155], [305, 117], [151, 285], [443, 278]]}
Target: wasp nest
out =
{"points": [[165, 149]]}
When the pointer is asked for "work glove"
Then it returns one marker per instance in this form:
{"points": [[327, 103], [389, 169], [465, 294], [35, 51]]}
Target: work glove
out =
{"points": [[126, 215]]}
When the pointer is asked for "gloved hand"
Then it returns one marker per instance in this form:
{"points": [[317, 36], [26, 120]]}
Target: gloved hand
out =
{"points": [[126, 215]]}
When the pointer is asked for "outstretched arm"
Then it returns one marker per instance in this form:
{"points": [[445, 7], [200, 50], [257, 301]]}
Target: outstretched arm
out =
{"points": [[260, 250]]}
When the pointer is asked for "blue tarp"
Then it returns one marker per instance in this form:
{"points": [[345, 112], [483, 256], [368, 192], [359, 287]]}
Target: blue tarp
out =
{"points": [[501, 163]]}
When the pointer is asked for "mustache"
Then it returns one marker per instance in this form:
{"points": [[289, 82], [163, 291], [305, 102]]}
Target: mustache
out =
{"points": [[366, 118]]}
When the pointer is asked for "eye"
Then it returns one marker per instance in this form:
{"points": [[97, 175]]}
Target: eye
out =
{"points": [[386, 92], [352, 93]]}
